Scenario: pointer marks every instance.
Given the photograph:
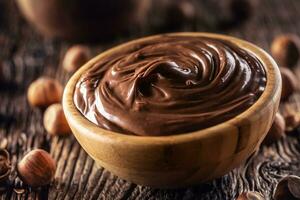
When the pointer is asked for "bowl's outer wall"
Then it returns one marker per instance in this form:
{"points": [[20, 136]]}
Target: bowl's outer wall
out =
{"points": [[82, 20], [180, 160]]}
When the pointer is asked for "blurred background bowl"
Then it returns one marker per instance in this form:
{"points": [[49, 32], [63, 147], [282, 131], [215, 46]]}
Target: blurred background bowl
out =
{"points": [[84, 20]]}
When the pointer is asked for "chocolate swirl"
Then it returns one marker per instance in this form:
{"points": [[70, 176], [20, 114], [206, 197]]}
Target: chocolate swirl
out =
{"points": [[170, 85]]}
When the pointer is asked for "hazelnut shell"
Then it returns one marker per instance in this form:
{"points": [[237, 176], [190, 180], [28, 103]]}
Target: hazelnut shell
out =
{"points": [[285, 50], [288, 188], [75, 57], [37, 168], [55, 121], [289, 83], [44, 92], [277, 130]]}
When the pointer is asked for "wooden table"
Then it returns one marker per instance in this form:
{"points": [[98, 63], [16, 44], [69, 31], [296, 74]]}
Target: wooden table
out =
{"points": [[26, 55]]}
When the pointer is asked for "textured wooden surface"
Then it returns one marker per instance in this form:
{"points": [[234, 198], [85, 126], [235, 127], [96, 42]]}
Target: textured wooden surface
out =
{"points": [[26, 56]]}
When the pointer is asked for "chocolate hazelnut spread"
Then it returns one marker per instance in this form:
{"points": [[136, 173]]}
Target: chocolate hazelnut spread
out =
{"points": [[170, 85]]}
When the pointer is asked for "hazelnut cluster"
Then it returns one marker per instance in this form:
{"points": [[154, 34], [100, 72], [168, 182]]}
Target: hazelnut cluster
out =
{"points": [[37, 168], [285, 50], [46, 92]]}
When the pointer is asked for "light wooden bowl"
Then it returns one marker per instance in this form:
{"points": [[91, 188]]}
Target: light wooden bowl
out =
{"points": [[179, 160]]}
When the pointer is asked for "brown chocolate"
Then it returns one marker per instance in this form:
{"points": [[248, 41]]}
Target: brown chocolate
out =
{"points": [[170, 85]]}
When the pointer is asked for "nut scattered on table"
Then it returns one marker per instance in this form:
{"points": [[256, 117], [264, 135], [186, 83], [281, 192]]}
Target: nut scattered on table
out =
{"points": [[44, 92], [75, 57], [55, 121], [288, 188], [292, 121], [3, 143], [37, 168], [250, 196], [285, 50], [289, 83], [5, 166], [277, 130]]}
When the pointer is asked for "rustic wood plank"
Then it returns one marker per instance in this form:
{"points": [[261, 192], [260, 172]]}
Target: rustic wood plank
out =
{"points": [[26, 56]]}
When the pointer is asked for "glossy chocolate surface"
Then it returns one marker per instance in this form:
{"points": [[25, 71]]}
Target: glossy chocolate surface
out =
{"points": [[170, 85]]}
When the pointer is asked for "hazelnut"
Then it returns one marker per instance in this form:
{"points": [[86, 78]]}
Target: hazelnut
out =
{"points": [[287, 188], [55, 121], [250, 196], [285, 49], [5, 166], [75, 57], [277, 130], [292, 121], [3, 143], [37, 168], [289, 83], [44, 92]]}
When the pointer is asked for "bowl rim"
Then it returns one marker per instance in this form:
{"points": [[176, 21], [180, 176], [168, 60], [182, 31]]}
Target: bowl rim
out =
{"points": [[91, 130]]}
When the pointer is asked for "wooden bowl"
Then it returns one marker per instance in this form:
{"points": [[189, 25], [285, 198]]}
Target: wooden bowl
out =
{"points": [[83, 20], [185, 159]]}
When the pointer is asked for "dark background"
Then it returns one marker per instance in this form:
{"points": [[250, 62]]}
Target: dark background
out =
{"points": [[26, 55]]}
